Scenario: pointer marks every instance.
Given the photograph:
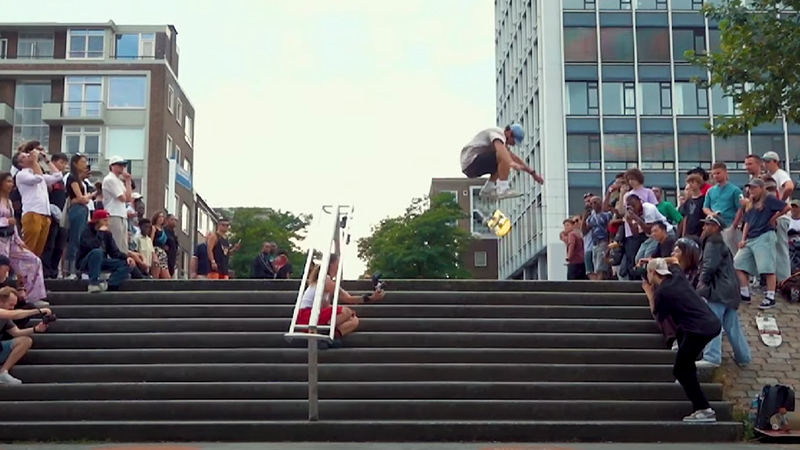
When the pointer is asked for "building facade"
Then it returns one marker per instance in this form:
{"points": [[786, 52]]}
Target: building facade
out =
{"points": [[104, 90], [602, 86], [481, 258]]}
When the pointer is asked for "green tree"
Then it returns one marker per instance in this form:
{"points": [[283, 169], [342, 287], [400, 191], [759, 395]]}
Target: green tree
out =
{"points": [[422, 243], [254, 226], [756, 64]]}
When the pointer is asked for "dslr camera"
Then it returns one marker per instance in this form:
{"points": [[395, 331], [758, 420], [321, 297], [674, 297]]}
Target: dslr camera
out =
{"points": [[377, 284]]}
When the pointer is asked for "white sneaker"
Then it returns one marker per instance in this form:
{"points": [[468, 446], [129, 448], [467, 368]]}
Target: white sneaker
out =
{"points": [[94, 288], [703, 364], [7, 379], [509, 193], [72, 276], [702, 416], [103, 286], [488, 191], [675, 346]]}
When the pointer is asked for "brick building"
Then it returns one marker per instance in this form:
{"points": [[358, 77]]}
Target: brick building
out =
{"points": [[481, 259], [104, 90]]}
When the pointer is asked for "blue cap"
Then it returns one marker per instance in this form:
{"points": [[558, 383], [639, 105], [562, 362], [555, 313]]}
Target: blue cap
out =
{"points": [[517, 131]]}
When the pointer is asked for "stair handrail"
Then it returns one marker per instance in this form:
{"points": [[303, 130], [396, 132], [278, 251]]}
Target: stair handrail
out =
{"points": [[343, 216]]}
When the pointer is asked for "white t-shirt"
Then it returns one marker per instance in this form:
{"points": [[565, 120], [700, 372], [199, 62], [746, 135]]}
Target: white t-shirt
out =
{"points": [[781, 177], [483, 142], [112, 189], [794, 224], [650, 215]]}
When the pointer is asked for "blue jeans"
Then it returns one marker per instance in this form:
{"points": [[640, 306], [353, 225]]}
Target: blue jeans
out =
{"points": [[96, 261], [78, 216], [730, 323]]}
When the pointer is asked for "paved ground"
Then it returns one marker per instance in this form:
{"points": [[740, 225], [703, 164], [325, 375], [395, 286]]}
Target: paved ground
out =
{"points": [[424, 446]]}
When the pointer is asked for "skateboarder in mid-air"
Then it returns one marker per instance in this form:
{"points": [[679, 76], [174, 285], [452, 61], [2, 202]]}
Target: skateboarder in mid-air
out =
{"points": [[488, 154]]}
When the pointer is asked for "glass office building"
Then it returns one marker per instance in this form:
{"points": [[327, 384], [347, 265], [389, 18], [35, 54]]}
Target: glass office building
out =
{"points": [[602, 86]]}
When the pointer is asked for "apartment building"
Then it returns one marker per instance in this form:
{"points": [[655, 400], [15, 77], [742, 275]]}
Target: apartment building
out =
{"points": [[602, 86], [481, 258], [103, 90]]}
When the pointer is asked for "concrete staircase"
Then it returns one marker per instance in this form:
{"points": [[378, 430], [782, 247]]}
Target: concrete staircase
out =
{"points": [[436, 361]]}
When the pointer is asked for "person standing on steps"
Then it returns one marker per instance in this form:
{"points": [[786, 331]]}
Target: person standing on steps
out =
{"points": [[488, 154], [220, 251], [670, 295]]}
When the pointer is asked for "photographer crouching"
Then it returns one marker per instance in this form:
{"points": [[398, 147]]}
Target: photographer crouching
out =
{"points": [[11, 351]]}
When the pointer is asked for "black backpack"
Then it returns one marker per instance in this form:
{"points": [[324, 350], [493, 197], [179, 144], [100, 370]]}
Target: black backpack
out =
{"points": [[772, 399]]}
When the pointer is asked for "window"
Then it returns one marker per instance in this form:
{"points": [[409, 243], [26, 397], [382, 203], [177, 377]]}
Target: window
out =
{"points": [[655, 99], [652, 4], [176, 154], [179, 111], [714, 38], [658, 152], [479, 204], [620, 151], [202, 217], [166, 198], [687, 4], [583, 151], [723, 104], [580, 44], [614, 4], [653, 44], [86, 44], [619, 99], [578, 4], [685, 40], [455, 198], [28, 124], [616, 44], [171, 99], [3, 48], [763, 143], [35, 46], [732, 150], [188, 129], [185, 219], [481, 259], [83, 96], [84, 140], [135, 46], [582, 98], [169, 147], [690, 99], [187, 166], [127, 143], [694, 150], [127, 92]]}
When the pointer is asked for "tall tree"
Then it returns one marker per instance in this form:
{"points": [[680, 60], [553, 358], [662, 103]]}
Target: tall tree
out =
{"points": [[422, 243], [254, 226], [757, 62]]}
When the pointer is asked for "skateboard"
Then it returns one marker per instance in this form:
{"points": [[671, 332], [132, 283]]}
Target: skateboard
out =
{"points": [[783, 425], [497, 221], [769, 331]]}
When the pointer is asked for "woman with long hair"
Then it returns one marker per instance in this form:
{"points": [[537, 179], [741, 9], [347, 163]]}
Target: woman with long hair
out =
{"points": [[346, 320], [159, 237], [77, 213], [24, 262]]}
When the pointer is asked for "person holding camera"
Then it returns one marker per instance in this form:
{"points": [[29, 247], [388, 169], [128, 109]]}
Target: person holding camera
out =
{"points": [[639, 220], [32, 184], [117, 195], [99, 252], [346, 320], [11, 351]]}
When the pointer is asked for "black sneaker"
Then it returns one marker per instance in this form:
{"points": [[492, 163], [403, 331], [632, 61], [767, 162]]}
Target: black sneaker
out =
{"points": [[767, 303], [746, 299]]}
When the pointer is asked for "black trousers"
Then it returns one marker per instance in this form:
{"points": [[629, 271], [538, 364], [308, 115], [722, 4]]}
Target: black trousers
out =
{"points": [[576, 271], [53, 249], [691, 345]]}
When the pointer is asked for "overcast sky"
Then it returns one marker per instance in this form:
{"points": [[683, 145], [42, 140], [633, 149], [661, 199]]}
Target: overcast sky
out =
{"points": [[349, 101]]}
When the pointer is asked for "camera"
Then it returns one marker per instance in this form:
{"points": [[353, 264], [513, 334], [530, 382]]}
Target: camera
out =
{"points": [[47, 320], [377, 284]]}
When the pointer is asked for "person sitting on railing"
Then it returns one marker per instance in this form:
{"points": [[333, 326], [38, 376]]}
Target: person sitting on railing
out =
{"points": [[346, 319]]}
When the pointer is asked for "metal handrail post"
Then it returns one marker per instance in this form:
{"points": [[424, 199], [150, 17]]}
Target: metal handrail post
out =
{"points": [[335, 301]]}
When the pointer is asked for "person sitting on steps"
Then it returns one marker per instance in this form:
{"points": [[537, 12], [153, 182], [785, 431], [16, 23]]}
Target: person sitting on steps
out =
{"points": [[488, 154], [99, 252], [11, 351], [346, 319]]}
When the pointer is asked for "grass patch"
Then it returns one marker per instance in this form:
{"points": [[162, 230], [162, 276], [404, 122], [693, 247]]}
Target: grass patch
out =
{"points": [[743, 415]]}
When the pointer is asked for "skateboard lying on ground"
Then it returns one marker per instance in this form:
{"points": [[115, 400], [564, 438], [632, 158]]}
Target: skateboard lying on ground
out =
{"points": [[497, 221], [769, 331], [783, 425]]}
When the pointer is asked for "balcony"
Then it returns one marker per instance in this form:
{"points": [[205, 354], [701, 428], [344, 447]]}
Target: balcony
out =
{"points": [[6, 115], [74, 113]]}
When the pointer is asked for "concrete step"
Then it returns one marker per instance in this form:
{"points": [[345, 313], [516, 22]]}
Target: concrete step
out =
{"points": [[227, 310], [364, 339], [413, 410], [362, 285], [347, 372], [370, 431], [393, 298], [349, 355], [364, 390], [374, 324]]}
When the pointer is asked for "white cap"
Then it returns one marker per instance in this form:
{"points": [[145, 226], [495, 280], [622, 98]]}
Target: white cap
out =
{"points": [[659, 266], [116, 160], [136, 196], [771, 156]]}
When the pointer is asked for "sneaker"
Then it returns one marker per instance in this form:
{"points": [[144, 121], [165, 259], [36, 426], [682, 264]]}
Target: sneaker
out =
{"points": [[767, 303], [72, 276], [745, 299], [705, 364], [7, 379], [702, 416], [510, 193], [94, 288], [103, 286], [675, 346], [488, 192]]}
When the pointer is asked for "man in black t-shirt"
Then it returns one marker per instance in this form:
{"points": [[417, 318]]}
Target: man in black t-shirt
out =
{"points": [[665, 242], [671, 296]]}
